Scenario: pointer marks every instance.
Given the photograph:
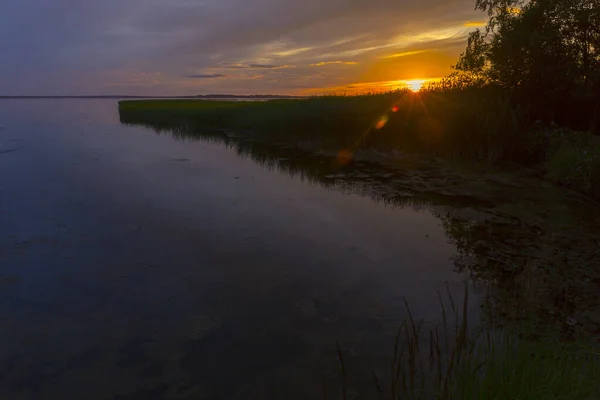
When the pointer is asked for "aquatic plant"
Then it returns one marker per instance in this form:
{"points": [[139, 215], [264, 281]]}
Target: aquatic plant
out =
{"points": [[451, 360]]}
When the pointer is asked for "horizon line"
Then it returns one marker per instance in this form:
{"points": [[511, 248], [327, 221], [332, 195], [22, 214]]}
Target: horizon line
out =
{"points": [[149, 96]]}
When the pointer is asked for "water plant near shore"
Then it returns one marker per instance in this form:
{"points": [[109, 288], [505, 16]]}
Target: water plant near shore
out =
{"points": [[450, 360]]}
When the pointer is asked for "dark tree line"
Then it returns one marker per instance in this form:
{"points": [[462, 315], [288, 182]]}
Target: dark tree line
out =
{"points": [[545, 54]]}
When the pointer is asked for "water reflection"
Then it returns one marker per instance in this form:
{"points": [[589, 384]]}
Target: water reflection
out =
{"points": [[533, 246], [128, 272]]}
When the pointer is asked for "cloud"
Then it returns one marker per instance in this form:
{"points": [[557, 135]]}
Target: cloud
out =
{"points": [[324, 63], [67, 46], [405, 54], [254, 66], [263, 66], [474, 24], [205, 76], [292, 52]]}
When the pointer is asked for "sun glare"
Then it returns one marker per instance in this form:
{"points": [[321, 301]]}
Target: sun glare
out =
{"points": [[415, 85]]}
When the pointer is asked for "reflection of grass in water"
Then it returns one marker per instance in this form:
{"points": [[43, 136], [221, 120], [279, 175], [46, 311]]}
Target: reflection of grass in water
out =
{"points": [[433, 121], [451, 361]]}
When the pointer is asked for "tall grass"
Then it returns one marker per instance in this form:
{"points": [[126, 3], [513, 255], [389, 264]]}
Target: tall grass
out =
{"points": [[450, 360], [450, 123], [330, 119]]}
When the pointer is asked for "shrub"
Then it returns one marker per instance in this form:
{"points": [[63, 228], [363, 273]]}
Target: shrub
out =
{"points": [[574, 161]]}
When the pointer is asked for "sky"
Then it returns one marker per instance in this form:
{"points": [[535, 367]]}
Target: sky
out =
{"points": [[188, 47]]}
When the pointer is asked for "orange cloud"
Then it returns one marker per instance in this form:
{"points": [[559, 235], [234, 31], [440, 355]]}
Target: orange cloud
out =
{"points": [[324, 63], [405, 54], [292, 52], [474, 24]]}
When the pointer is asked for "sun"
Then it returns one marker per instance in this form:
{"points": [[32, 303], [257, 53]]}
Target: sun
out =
{"points": [[415, 85]]}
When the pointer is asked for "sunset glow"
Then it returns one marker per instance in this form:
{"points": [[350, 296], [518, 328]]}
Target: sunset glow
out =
{"points": [[200, 47], [414, 85]]}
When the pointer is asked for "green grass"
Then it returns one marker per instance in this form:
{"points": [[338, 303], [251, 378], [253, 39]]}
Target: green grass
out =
{"points": [[436, 122], [452, 361], [333, 120], [518, 369]]}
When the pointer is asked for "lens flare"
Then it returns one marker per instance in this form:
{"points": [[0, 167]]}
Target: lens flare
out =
{"points": [[382, 122], [344, 157], [395, 109]]}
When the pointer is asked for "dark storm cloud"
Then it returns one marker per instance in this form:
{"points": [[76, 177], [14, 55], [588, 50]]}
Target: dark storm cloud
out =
{"points": [[151, 46]]}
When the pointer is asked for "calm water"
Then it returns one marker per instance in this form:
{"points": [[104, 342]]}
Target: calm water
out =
{"points": [[137, 266]]}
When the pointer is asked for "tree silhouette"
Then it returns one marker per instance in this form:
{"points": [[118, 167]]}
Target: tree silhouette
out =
{"points": [[545, 54]]}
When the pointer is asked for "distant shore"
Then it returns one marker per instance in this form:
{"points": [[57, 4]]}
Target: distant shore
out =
{"points": [[208, 96]]}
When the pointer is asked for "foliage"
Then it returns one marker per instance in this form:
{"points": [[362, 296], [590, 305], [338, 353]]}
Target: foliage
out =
{"points": [[545, 57], [546, 54], [574, 161], [450, 360]]}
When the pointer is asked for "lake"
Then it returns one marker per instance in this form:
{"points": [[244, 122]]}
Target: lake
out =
{"points": [[188, 265]]}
